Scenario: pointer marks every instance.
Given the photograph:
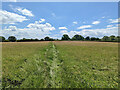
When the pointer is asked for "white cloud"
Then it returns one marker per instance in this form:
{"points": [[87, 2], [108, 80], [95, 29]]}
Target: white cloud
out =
{"points": [[33, 30], [75, 22], [94, 32], [62, 28], [24, 11], [42, 27], [42, 20], [118, 25], [64, 31], [84, 26], [12, 28], [114, 20], [9, 0], [71, 33], [109, 26], [10, 18], [96, 22]]}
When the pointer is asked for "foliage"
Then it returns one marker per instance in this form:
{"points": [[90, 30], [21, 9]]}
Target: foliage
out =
{"points": [[93, 38], [111, 38], [78, 37], [26, 40], [87, 38], [2, 39], [48, 39], [65, 37], [12, 38]]}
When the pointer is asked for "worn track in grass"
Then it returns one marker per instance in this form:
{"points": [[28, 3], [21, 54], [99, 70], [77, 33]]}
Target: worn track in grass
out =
{"points": [[60, 65], [55, 67]]}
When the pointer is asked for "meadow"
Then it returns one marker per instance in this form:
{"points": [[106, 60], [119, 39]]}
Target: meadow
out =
{"points": [[60, 64]]}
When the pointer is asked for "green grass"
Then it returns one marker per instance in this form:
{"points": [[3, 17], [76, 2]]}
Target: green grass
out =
{"points": [[60, 65], [91, 65], [23, 65]]}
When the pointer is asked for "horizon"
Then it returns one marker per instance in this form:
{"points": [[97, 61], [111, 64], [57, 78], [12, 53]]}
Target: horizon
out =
{"points": [[53, 19]]}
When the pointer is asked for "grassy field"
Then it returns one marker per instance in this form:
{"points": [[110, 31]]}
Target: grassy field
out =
{"points": [[60, 64]]}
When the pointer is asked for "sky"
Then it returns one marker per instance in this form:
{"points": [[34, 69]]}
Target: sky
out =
{"points": [[53, 19], [60, 0]]}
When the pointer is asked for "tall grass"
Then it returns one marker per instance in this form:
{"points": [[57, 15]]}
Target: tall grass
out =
{"points": [[89, 64], [23, 65], [60, 65]]}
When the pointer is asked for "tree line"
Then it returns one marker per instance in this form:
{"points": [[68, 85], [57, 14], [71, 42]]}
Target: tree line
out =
{"points": [[65, 37]]}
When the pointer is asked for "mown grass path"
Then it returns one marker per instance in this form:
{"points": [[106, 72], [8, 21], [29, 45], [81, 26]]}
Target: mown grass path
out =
{"points": [[41, 69], [55, 68]]}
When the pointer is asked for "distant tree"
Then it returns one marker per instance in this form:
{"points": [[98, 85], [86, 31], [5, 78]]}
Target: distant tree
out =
{"points": [[41, 39], [78, 37], [22, 40], [51, 39], [57, 39], [31, 39], [93, 38], [2, 39], [97, 39], [81, 37], [36, 39], [112, 38], [47, 38], [6, 41], [12, 38], [73, 38], [87, 38], [105, 38], [118, 38], [65, 37]]}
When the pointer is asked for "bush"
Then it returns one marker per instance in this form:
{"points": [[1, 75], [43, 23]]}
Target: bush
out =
{"points": [[2, 39], [12, 39]]}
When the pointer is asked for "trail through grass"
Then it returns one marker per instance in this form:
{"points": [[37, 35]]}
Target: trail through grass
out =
{"points": [[42, 69], [60, 65], [55, 68]]}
